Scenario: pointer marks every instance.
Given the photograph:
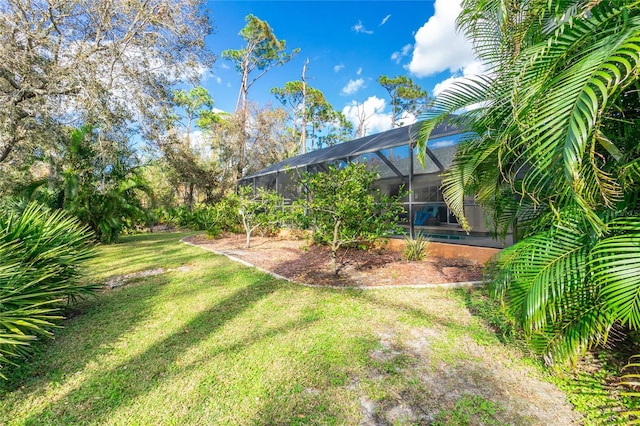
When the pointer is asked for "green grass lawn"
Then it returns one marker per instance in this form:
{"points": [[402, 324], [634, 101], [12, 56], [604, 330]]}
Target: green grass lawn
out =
{"points": [[212, 342]]}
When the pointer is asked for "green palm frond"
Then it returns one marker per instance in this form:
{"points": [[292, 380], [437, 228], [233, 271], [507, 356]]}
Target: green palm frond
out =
{"points": [[462, 176], [555, 158], [543, 271], [571, 336], [615, 268], [560, 113]]}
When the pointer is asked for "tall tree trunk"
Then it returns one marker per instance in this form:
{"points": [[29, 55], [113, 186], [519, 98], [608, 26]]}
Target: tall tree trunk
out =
{"points": [[303, 132], [241, 109], [190, 196], [247, 231]]}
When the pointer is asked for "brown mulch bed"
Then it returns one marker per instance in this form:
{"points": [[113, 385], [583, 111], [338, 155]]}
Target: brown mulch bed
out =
{"points": [[300, 261]]}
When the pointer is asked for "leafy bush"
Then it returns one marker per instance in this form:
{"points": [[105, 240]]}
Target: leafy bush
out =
{"points": [[102, 190], [214, 219], [227, 215], [343, 209], [416, 248], [261, 209], [40, 257]]}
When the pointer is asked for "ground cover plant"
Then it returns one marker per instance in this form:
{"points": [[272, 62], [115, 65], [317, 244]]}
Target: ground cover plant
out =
{"points": [[204, 340]]}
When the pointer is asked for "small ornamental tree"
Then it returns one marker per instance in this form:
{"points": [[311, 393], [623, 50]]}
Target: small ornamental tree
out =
{"points": [[343, 208], [258, 209]]}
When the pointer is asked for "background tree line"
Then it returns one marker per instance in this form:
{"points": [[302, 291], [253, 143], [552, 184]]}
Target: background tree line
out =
{"points": [[92, 119]]}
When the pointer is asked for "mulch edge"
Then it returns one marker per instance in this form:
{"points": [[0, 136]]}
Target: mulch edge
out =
{"points": [[463, 284]]}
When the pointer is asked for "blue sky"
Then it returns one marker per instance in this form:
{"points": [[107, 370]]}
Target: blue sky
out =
{"points": [[349, 44]]}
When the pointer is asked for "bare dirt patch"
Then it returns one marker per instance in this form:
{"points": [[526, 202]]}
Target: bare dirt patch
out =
{"points": [[307, 263], [121, 280]]}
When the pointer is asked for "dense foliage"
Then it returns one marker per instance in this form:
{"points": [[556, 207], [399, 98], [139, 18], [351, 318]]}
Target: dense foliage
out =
{"points": [[111, 62], [102, 188], [41, 253], [343, 208], [556, 159]]}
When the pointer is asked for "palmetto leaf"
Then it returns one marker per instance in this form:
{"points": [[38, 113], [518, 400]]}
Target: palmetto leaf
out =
{"points": [[40, 254]]}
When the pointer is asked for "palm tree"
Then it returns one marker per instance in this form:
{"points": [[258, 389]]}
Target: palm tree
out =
{"points": [[554, 155]]}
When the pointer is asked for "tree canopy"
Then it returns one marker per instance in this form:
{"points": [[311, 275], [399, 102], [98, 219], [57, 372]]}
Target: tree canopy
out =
{"points": [[85, 62], [262, 52], [407, 98], [315, 115]]}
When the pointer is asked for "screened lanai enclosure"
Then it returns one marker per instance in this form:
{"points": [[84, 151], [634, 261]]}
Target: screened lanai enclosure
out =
{"points": [[394, 157]]}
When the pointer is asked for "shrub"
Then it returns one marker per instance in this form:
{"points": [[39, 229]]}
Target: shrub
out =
{"points": [[416, 248], [344, 209], [261, 209], [40, 257], [214, 219], [227, 216]]}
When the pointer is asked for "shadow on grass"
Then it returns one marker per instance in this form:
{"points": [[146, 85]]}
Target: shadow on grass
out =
{"points": [[106, 391], [440, 370], [145, 251], [437, 382], [128, 306]]}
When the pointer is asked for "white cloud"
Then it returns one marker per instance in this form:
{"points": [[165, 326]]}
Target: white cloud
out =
{"points": [[442, 144], [372, 110], [439, 47], [397, 56], [225, 66], [359, 71], [384, 20], [218, 79], [338, 67], [359, 28], [474, 68], [406, 119], [376, 119], [352, 87]]}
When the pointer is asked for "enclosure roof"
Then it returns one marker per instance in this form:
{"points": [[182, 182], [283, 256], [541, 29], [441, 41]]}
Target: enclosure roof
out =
{"points": [[372, 143]]}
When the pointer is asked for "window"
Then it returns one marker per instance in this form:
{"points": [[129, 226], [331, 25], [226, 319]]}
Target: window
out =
{"points": [[446, 216], [429, 193]]}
